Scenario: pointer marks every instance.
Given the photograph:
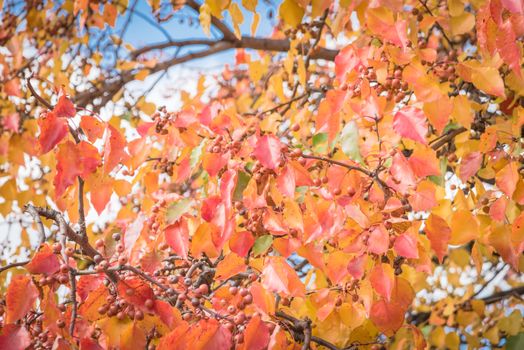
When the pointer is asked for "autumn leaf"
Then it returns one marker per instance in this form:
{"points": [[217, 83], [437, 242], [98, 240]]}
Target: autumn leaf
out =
{"points": [[20, 298], [382, 279], [267, 151], [177, 236], [279, 277], [52, 131], [64, 108], [73, 161], [410, 122], [14, 337], [44, 261], [439, 234]]}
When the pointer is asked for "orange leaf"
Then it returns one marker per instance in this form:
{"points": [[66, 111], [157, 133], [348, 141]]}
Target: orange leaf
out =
{"points": [[230, 266], [64, 107], [20, 297], [72, 161], [52, 131], [507, 178], [382, 279], [439, 234], [256, 335], [44, 261], [388, 317], [92, 127], [464, 227], [279, 277], [113, 149]]}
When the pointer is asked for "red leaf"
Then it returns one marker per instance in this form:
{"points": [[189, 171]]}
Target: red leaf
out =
{"points": [[135, 291], [209, 205], [20, 297], [378, 241], [44, 261], [382, 279], [346, 60], [14, 337], [286, 181], [11, 122], [89, 343], [177, 236], [406, 246], [410, 122], [72, 161], [256, 335], [356, 266], [267, 151], [114, 149], [241, 242], [64, 107], [438, 233], [469, 165], [52, 131], [212, 336], [388, 317], [87, 284]]}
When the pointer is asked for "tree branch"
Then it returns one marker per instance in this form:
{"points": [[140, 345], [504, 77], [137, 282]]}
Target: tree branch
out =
{"points": [[218, 24], [39, 226]]}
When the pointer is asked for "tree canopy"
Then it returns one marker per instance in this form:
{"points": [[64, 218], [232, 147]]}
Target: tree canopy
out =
{"points": [[350, 176]]}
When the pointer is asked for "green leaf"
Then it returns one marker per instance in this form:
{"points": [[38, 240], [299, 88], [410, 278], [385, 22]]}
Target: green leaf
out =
{"points": [[515, 342], [440, 180], [243, 180], [262, 244], [177, 209], [320, 142], [196, 153], [349, 141]]}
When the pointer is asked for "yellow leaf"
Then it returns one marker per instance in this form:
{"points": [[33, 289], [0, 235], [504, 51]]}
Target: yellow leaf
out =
{"points": [[254, 25], [250, 5], [141, 75], [205, 18], [301, 70], [464, 227], [291, 13], [217, 6], [462, 111], [452, 341], [462, 24], [459, 257], [237, 17]]}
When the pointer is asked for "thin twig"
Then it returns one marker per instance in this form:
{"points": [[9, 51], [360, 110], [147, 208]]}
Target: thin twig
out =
{"points": [[39, 226], [74, 311], [15, 264]]}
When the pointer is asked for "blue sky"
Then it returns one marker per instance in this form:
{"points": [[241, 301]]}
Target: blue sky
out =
{"points": [[140, 32]]}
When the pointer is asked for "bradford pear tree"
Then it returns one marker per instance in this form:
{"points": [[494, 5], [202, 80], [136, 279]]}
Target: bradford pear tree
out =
{"points": [[350, 179]]}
